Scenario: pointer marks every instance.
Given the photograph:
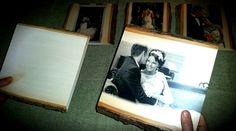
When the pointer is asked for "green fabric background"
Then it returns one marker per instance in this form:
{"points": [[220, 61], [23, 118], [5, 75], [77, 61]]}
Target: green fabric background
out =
{"points": [[219, 108]]}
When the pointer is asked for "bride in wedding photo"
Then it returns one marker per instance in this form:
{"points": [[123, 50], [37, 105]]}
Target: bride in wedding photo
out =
{"points": [[153, 81]]}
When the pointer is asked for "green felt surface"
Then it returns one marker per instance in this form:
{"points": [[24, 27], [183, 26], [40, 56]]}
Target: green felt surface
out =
{"points": [[220, 102], [219, 107]]}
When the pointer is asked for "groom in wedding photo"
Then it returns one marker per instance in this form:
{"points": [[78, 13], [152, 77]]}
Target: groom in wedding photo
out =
{"points": [[128, 77]]}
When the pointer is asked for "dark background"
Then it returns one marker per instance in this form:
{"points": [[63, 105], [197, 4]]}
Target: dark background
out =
{"points": [[219, 108]]}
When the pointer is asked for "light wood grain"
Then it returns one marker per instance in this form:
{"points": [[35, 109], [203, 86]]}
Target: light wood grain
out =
{"points": [[45, 64], [160, 117]]}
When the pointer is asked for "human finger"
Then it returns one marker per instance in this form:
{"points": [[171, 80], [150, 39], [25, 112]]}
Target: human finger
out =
{"points": [[202, 126], [186, 121], [5, 81]]}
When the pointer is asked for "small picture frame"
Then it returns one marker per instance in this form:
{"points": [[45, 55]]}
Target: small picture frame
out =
{"points": [[154, 77], [95, 20], [149, 15], [206, 22]]}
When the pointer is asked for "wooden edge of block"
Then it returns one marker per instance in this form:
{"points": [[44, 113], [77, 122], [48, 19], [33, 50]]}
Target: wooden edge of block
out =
{"points": [[129, 118], [55, 30], [169, 36], [33, 101]]}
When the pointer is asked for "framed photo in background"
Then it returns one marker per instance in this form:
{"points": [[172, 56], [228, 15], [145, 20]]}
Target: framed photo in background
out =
{"points": [[204, 22], [149, 15], [95, 20]]}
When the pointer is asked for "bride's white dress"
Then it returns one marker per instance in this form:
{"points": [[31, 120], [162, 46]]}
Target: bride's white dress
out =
{"points": [[157, 87], [87, 31]]}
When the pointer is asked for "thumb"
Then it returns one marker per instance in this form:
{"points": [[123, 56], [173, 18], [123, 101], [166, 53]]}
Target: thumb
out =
{"points": [[5, 81]]}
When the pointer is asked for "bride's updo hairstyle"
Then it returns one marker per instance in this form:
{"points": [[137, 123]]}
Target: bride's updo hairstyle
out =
{"points": [[159, 56]]}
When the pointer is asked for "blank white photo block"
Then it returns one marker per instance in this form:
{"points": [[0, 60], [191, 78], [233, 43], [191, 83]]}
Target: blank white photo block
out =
{"points": [[45, 64]]}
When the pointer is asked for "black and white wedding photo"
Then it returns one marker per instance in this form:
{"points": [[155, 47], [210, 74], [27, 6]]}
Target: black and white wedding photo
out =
{"points": [[156, 76]]}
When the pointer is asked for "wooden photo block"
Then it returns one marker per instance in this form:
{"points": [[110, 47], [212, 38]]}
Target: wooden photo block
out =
{"points": [[149, 15], [94, 20], [154, 77], [206, 22], [45, 64]]}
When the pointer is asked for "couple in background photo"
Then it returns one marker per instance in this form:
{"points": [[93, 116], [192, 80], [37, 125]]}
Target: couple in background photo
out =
{"points": [[138, 79]]}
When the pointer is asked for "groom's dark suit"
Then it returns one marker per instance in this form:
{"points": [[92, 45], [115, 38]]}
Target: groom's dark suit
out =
{"points": [[194, 30], [127, 80]]}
